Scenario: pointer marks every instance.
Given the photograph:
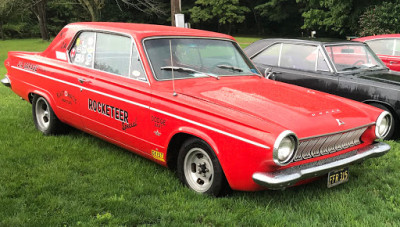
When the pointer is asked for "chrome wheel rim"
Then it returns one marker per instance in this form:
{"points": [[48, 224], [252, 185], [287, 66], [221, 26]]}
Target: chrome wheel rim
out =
{"points": [[198, 169], [42, 113]]}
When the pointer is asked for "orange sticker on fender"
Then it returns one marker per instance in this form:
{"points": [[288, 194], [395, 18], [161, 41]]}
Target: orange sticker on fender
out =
{"points": [[158, 155]]}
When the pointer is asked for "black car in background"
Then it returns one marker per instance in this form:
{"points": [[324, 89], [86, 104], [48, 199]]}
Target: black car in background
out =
{"points": [[347, 69]]}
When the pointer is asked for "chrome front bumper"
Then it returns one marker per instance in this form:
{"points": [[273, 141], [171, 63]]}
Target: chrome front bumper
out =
{"points": [[6, 81], [287, 177]]}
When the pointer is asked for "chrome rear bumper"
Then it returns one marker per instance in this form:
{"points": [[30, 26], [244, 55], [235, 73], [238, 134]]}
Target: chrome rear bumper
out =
{"points": [[287, 177], [6, 81]]}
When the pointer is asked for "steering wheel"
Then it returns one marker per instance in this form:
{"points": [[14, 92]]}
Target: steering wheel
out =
{"points": [[359, 62]]}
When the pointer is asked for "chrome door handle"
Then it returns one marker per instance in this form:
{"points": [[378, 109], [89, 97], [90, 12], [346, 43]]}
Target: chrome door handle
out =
{"points": [[81, 80], [393, 62]]}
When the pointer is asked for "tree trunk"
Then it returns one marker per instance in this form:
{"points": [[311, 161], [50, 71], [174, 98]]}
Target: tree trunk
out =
{"points": [[93, 7], [39, 9], [2, 31]]}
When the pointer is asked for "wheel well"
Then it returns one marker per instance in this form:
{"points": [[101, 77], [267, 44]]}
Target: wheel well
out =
{"points": [[30, 97], [173, 148], [390, 108]]}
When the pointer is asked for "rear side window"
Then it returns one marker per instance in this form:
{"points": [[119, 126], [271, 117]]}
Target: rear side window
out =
{"points": [[300, 57], [112, 53], [269, 56], [382, 46], [83, 50]]}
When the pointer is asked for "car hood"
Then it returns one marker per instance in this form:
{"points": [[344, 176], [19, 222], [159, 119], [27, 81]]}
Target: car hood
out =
{"points": [[387, 77], [267, 103]]}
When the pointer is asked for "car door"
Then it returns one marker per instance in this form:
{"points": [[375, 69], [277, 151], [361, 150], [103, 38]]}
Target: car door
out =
{"points": [[299, 64], [115, 90]]}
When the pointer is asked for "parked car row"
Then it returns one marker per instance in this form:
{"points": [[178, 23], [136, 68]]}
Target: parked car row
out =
{"points": [[192, 101], [347, 69]]}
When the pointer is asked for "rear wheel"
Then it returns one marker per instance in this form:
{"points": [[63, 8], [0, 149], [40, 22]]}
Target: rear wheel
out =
{"points": [[392, 133], [199, 168], [44, 118]]}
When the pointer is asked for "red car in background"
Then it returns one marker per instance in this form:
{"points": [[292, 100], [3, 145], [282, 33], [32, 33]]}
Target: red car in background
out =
{"points": [[192, 101], [387, 47]]}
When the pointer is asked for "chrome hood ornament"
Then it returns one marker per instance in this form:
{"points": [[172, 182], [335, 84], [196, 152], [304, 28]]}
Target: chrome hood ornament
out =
{"points": [[340, 122]]}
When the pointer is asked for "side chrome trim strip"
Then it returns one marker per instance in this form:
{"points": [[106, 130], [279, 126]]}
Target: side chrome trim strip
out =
{"points": [[288, 177], [153, 109]]}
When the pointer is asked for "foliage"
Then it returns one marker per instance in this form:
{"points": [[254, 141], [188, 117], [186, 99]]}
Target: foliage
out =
{"points": [[380, 19], [78, 180], [327, 15], [223, 11], [333, 16], [277, 10]]}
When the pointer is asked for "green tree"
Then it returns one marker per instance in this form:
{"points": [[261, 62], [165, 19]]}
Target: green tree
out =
{"points": [[333, 16], [380, 19], [225, 12], [282, 15], [6, 9]]}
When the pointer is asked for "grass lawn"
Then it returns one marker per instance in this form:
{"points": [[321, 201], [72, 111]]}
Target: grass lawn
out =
{"points": [[77, 179]]}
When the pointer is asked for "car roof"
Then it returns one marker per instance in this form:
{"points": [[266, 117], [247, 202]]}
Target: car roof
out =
{"points": [[141, 31], [383, 36], [259, 45]]}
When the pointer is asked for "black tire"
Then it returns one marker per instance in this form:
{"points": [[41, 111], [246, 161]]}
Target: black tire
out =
{"points": [[392, 133], [199, 169], [44, 118]]}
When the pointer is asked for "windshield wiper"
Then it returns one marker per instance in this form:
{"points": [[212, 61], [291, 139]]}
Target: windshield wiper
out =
{"points": [[350, 68], [183, 69], [230, 67]]}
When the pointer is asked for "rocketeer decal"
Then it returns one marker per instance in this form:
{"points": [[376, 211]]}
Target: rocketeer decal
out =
{"points": [[111, 112]]}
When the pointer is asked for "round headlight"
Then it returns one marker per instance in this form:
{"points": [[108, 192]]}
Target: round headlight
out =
{"points": [[285, 147], [383, 124]]}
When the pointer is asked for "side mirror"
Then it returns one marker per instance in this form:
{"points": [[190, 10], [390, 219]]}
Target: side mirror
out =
{"points": [[268, 73]]}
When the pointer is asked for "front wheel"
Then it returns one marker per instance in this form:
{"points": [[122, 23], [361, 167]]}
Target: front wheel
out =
{"points": [[43, 116], [199, 168]]}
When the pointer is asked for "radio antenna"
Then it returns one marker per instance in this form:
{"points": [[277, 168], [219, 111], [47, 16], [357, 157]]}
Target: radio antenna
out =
{"points": [[172, 70]]}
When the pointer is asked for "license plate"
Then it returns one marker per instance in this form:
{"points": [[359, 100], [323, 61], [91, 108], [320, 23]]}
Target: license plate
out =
{"points": [[338, 177]]}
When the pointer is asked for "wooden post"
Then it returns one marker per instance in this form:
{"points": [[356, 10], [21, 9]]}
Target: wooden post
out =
{"points": [[175, 8]]}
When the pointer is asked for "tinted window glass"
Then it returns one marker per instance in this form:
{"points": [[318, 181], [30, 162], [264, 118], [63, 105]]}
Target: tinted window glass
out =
{"points": [[382, 46], [396, 47], [112, 54], [353, 57], [298, 57], [191, 57], [83, 49], [269, 56]]}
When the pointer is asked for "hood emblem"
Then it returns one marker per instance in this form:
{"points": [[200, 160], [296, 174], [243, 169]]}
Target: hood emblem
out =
{"points": [[340, 122]]}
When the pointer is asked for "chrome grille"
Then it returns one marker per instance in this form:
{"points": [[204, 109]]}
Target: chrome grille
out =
{"points": [[323, 145]]}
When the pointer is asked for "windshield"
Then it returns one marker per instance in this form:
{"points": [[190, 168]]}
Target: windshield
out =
{"points": [[196, 57], [353, 57]]}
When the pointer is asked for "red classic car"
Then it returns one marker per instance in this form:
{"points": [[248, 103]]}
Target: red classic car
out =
{"points": [[387, 47], [192, 101]]}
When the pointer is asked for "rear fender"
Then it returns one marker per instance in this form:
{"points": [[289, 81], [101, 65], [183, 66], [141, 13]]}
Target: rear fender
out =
{"points": [[45, 95]]}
